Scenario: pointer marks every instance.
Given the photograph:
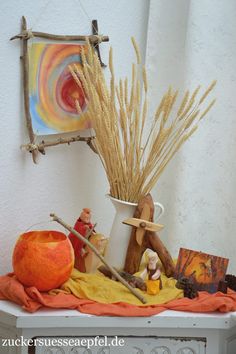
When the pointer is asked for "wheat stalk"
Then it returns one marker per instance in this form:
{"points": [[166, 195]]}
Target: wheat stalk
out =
{"points": [[133, 163]]}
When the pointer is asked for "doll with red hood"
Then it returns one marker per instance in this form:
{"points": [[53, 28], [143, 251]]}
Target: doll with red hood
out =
{"points": [[82, 225]]}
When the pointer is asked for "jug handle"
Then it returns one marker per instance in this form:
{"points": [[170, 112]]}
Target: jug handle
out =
{"points": [[162, 211]]}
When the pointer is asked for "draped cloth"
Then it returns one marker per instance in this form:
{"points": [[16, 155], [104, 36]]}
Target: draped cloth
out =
{"points": [[73, 295]]}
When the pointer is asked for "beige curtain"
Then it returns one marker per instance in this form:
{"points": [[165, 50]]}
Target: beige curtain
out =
{"points": [[191, 43]]}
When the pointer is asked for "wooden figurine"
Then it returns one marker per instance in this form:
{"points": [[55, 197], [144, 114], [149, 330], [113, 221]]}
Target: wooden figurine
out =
{"points": [[86, 260], [83, 225], [91, 260], [142, 238], [152, 274]]}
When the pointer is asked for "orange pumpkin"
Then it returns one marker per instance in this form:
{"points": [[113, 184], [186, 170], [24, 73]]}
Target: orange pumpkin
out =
{"points": [[43, 259]]}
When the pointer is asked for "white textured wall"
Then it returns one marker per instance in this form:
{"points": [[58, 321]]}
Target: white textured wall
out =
{"points": [[194, 42], [189, 42], [67, 178]]}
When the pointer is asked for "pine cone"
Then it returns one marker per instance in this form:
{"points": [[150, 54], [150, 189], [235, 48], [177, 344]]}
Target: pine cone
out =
{"points": [[231, 280], [189, 288]]}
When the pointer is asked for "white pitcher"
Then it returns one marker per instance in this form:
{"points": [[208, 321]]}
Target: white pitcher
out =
{"points": [[120, 233]]}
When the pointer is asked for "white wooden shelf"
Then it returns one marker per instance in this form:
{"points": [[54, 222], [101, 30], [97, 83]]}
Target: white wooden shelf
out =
{"points": [[215, 331]]}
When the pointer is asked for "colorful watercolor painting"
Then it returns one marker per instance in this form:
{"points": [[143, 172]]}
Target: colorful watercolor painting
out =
{"points": [[53, 91], [204, 269]]}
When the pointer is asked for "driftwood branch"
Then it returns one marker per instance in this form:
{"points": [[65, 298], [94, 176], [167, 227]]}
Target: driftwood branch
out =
{"points": [[90, 245], [27, 34], [25, 63], [155, 243], [31, 147], [150, 240]]}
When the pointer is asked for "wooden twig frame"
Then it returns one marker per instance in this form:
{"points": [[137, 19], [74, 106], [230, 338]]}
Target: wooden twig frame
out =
{"points": [[41, 146], [24, 36]]}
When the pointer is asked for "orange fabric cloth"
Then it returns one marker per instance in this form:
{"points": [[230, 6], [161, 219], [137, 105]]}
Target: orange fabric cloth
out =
{"points": [[31, 300]]}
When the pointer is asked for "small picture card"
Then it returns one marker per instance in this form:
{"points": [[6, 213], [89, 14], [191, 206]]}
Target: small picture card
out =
{"points": [[204, 269]]}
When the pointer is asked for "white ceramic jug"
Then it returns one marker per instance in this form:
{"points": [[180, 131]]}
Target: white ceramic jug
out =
{"points": [[120, 233]]}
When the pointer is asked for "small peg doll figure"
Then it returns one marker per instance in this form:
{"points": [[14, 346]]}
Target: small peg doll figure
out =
{"points": [[82, 225], [91, 260], [153, 274]]}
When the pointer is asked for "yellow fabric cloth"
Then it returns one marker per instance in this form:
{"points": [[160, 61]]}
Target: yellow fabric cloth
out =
{"points": [[99, 288]]}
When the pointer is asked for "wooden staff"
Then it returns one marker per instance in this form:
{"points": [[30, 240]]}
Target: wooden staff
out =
{"points": [[89, 244]]}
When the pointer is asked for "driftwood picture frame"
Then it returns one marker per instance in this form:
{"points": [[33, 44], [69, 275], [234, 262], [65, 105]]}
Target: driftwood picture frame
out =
{"points": [[26, 34]]}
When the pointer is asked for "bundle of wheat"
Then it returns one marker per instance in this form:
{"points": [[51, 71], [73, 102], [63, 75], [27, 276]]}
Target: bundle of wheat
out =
{"points": [[133, 160]]}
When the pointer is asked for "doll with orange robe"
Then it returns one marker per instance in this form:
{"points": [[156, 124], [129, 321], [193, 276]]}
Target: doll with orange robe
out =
{"points": [[82, 225]]}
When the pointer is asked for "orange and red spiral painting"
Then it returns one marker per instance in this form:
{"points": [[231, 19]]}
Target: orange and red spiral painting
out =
{"points": [[53, 91]]}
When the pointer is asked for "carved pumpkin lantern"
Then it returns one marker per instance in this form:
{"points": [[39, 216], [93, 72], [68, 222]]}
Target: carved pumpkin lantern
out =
{"points": [[43, 259]]}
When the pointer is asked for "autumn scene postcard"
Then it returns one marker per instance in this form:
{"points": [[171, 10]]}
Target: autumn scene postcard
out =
{"points": [[204, 269]]}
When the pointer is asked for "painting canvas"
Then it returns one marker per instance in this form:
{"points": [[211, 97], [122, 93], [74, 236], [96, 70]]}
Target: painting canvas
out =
{"points": [[204, 269], [52, 89]]}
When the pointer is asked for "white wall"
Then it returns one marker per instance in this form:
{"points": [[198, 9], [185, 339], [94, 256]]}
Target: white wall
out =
{"points": [[67, 178], [194, 43]]}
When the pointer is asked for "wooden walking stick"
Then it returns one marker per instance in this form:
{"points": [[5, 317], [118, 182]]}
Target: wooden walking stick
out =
{"points": [[114, 272]]}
